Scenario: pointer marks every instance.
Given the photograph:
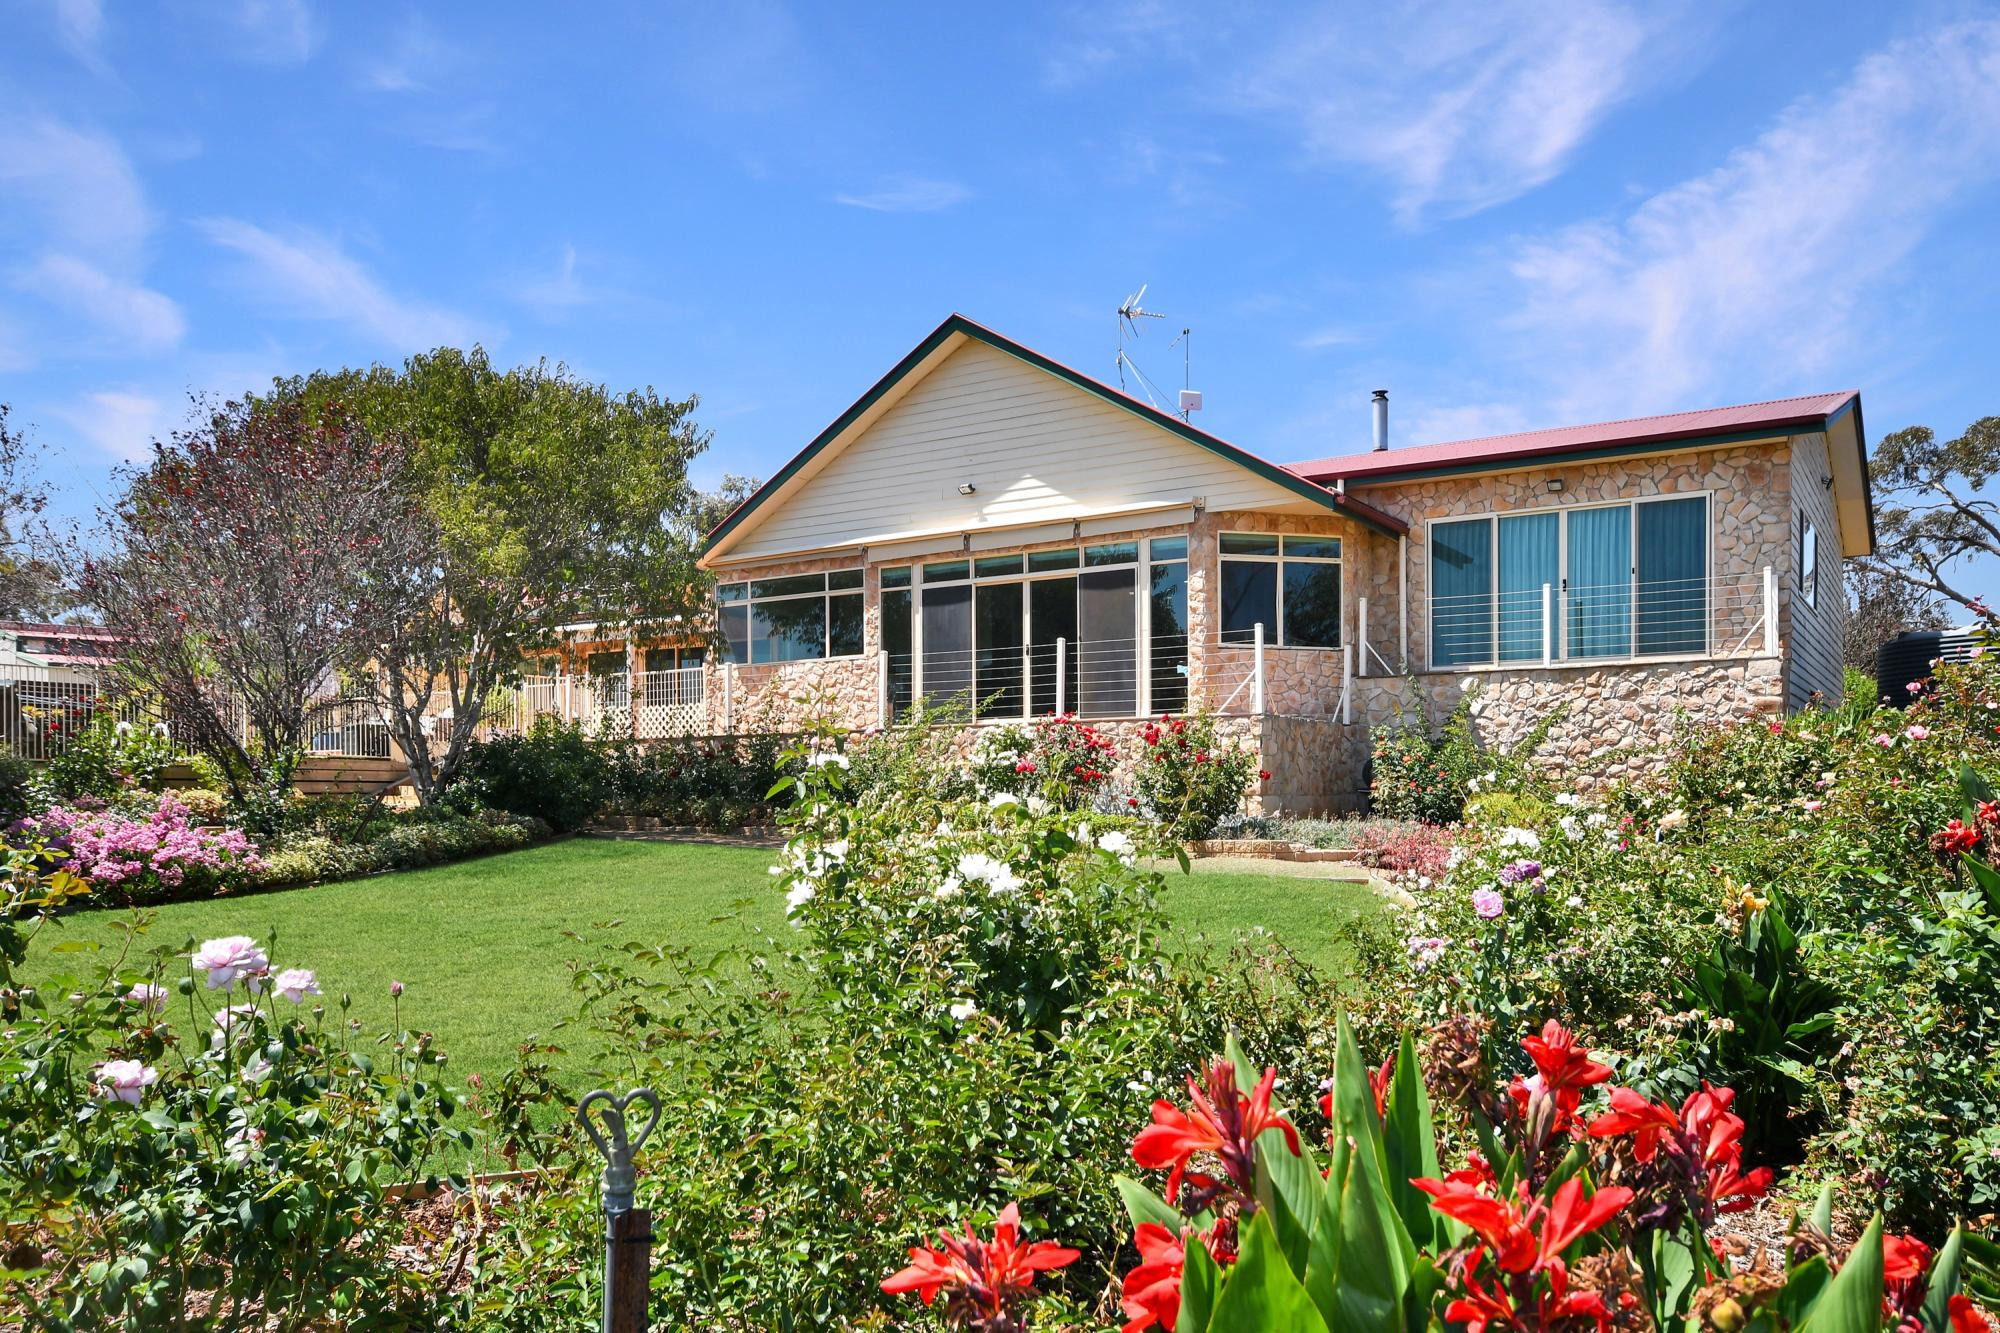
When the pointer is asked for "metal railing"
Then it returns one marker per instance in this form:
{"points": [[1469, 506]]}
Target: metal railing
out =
{"points": [[1100, 678], [1561, 622]]}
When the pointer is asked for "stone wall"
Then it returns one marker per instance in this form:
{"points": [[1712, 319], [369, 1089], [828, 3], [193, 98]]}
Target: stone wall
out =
{"points": [[1615, 718]]}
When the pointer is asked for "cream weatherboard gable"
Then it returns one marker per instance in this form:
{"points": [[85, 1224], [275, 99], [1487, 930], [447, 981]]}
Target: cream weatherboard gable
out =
{"points": [[1034, 449]]}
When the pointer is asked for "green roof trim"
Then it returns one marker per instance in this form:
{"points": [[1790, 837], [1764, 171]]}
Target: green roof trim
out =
{"points": [[959, 325]]}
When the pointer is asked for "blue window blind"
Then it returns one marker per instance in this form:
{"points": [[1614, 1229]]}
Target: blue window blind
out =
{"points": [[1530, 558], [1462, 592], [1673, 576], [1600, 582]]}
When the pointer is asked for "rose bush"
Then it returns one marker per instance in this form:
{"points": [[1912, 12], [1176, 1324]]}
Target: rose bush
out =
{"points": [[1189, 779], [192, 1140], [976, 993]]}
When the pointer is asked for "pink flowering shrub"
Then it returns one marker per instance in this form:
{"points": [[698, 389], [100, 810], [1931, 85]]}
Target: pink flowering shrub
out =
{"points": [[143, 858]]}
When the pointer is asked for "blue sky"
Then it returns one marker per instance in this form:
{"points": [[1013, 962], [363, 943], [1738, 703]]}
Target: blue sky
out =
{"points": [[1508, 215]]}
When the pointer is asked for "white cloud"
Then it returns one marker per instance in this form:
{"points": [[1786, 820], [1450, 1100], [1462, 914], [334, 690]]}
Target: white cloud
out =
{"points": [[1466, 421], [134, 316], [78, 185], [79, 27], [1767, 259], [1460, 106], [311, 277], [121, 423], [1333, 336], [908, 194], [273, 32], [558, 292]]}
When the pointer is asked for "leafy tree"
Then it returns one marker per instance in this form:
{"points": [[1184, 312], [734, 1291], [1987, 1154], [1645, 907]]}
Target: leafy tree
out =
{"points": [[29, 584], [549, 501], [1879, 608], [1932, 513], [245, 564]]}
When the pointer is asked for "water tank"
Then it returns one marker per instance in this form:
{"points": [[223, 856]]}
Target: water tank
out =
{"points": [[1909, 655]]}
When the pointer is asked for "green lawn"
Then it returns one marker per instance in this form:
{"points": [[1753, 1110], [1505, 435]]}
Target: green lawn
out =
{"points": [[481, 952]]}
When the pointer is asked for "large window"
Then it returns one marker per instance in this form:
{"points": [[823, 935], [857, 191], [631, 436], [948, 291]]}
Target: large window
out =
{"points": [[1290, 585], [1621, 580], [1021, 635], [794, 618]]}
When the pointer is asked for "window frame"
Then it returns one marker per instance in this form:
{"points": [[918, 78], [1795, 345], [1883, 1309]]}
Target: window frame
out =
{"points": [[1070, 560], [1275, 636], [749, 601], [1560, 654], [1808, 559]]}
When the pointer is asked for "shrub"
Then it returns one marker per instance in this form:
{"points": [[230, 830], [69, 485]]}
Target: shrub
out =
{"points": [[704, 781], [1419, 771], [1190, 779], [107, 759], [213, 1159], [148, 858], [1060, 759], [17, 776], [403, 841], [203, 805], [977, 1000], [553, 773]]}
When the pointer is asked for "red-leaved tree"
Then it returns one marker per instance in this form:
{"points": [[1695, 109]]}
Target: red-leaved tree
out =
{"points": [[245, 564]]}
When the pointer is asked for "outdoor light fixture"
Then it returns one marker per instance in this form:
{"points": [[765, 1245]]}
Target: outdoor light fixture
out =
{"points": [[1555, 484], [966, 488]]}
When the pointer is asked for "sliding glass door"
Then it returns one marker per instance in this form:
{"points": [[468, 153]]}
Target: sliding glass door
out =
{"points": [[1673, 576], [1530, 558], [1622, 580], [1600, 582]]}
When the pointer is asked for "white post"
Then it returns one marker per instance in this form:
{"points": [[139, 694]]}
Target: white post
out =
{"points": [[1362, 635], [1548, 627], [1770, 611], [1062, 676], [1347, 684], [1257, 669], [882, 689], [1562, 615], [1403, 600], [729, 698]]}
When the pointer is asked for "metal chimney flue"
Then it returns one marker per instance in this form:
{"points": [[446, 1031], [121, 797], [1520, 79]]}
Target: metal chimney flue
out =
{"points": [[1381, 406]]}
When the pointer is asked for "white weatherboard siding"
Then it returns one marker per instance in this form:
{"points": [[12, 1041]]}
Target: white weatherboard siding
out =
{"points": [[1036, 449]]}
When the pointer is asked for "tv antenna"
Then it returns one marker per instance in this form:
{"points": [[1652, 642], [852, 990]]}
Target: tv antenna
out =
{"points": [[1130, 312]]}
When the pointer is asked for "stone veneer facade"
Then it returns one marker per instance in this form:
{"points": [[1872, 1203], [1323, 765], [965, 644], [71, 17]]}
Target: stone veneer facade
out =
{"points": [[1613, 711]]}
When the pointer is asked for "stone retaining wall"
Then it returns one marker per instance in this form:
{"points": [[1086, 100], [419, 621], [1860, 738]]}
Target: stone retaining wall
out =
{"points": [[1615, 718]]}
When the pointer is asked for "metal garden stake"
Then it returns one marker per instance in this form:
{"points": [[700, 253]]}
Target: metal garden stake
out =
{"points": [[628, 1231]]}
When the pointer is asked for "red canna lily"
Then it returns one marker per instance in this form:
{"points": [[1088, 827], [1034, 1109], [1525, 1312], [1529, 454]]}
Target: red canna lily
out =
{"points": [[1705, 1142], [1499, 1224], [1632, 1114], [1967, 1317], [1530, 1238], [1221, 1121], [1152, 1292], [1566, 1068], [1481, 1308], [1378, 1083], [984, 1280]]}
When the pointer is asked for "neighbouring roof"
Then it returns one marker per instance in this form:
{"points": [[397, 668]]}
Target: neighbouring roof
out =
{"points": [[1708, 424], [959, 327]]}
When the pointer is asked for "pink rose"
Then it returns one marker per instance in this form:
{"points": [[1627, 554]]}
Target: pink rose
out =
{"points": [[228, 958], [295, 983], [1488, 903], [123, 1080]]}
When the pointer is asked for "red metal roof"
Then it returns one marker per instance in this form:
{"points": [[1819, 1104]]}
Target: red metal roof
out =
{"points": [[1813, 410]]}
